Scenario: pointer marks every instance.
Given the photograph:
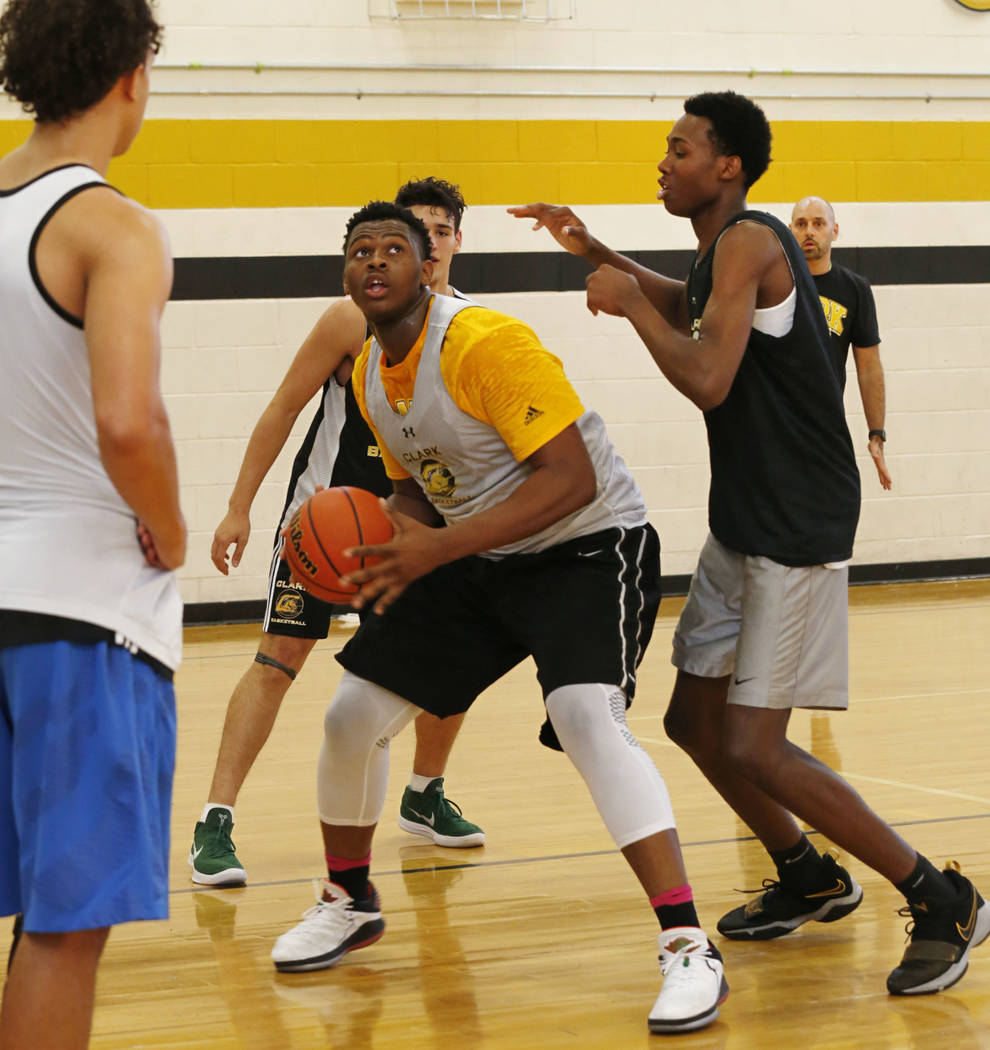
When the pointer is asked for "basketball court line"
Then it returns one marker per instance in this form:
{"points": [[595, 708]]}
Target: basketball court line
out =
{"points": [[864, 776], [982, 691], [552, 857], [248, 654], [916, 787], [915, 696]]}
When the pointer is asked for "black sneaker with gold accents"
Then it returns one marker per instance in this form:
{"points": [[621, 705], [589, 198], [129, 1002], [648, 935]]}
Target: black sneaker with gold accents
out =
{"points": [[941, 936], [778, 910]]}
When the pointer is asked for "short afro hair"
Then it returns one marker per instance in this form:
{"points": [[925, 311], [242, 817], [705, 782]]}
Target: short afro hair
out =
{"points": [[739, 129], [60, 57], [434, 193], [376, 211]]}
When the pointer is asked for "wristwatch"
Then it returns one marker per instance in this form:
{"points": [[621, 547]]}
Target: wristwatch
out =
{"points": [[881, 434]]}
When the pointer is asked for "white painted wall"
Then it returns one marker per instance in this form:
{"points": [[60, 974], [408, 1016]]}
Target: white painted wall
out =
{"points": [[912, 60], [223, 360]]}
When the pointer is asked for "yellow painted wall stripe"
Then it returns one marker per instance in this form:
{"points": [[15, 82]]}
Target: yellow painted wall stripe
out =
{"points": [[302, 163]]}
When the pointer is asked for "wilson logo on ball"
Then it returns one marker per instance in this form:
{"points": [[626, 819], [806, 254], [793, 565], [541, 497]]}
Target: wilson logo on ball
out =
{"points": [[326, 525], [296, 536]]}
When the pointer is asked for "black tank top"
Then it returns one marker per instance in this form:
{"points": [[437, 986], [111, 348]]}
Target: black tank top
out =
{"points": [[359, 461], [785, 483]]}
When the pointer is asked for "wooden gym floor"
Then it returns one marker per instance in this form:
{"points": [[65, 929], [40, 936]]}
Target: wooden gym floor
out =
{"points": [[542, 939]]}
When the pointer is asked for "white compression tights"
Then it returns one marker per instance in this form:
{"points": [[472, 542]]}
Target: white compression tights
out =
{"points": [[590, 722], [352, 773]]}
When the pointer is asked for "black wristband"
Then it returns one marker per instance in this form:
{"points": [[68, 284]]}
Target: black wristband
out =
{"points": [[881, 434]]}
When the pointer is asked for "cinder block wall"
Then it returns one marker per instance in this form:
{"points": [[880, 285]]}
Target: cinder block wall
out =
{"points": [[269, 125]]}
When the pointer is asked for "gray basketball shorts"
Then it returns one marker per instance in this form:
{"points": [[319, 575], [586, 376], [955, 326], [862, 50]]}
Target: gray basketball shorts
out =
{"points": [[780, 632]]}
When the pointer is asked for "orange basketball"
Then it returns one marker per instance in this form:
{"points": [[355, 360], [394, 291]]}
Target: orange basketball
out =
{"points": [[324, 527]]}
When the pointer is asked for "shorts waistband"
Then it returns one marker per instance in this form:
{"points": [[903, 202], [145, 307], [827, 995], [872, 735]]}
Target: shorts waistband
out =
{"points": [[18, 627]]}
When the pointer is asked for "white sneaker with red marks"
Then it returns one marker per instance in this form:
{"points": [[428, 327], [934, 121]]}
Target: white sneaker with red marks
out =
{"points": [[334, 926], [693, 982]]}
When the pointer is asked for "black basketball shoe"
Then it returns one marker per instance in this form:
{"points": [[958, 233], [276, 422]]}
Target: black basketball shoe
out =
{"points": [[778, 910], [941, 937]]}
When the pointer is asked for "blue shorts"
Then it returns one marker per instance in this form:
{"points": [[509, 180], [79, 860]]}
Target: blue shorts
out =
{"points": [[87, 752]]}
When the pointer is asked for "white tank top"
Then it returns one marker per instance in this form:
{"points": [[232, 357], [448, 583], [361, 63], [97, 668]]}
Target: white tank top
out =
{"points": [[464, 465], [777, 320], [67, 539]]}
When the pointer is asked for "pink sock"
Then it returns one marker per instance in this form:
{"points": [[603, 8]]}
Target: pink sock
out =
{"points": [[678, 895], [343, 864], [350, 875]]}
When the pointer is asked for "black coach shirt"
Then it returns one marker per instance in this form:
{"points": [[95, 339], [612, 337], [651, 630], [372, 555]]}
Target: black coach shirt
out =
{"points": [[784, 479], [850, 313]]}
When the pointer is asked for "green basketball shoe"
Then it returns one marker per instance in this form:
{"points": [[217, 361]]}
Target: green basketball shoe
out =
{"points": [[212, 856], [430, 814]]}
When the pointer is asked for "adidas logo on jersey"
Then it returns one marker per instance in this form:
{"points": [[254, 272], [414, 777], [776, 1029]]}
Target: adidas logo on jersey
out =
{"points": [[532, 414]]}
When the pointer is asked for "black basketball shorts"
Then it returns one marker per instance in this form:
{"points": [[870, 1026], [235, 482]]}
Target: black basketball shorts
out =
{"points": [[292, 611], [584, 610]]}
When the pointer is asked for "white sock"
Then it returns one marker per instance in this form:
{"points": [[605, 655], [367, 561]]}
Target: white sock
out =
{"points": [[217, 805], [418, 783]]}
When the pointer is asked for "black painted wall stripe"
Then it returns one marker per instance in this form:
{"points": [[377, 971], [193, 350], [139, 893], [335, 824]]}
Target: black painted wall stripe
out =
{"points": [[316, 276], [252, 611]]}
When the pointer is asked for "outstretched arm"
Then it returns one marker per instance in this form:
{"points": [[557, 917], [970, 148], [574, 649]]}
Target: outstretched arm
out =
{"points": [[335, 339], [869, 372], [703, 368], [666, 295]]}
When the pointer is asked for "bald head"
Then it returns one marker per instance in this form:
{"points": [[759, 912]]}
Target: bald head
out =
{"points": [[815, 204], [814, 227]]}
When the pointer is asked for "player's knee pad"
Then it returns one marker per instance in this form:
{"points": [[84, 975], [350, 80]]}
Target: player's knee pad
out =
{"points": [[590, 722], [353, 767]]}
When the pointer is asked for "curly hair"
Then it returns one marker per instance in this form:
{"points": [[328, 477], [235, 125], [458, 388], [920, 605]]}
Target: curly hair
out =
{"points": [[434, 193], [376, 211], [59, 57], [739, 129]]}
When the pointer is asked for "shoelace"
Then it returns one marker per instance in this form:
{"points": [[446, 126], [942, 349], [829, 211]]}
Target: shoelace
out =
{"points": [[676, 965], [451, 804], [768, 884], [774, 884], [906, 912], [222, 843], [330, 913], [918, 915], [768, 887]]}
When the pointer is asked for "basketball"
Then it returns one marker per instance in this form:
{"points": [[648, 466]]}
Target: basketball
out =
{"points": [[326, 525]]}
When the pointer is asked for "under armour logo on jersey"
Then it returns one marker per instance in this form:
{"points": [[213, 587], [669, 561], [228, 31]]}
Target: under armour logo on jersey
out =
{"points": [[532, 414], [408, 432]]}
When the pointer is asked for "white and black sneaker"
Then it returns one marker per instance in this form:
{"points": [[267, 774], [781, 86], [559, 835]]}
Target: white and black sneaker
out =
{"points": [[334, 926], [694, 984]]}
